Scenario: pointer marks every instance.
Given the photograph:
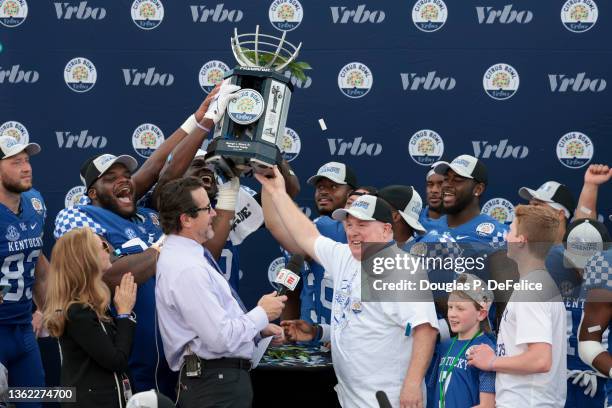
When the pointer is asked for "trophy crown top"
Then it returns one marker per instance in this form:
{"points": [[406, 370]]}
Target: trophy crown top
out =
{"points": [[257, 51]]}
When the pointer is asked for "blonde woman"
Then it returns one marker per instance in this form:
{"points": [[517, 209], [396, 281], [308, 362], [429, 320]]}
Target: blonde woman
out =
{"points": [[95, 347]]}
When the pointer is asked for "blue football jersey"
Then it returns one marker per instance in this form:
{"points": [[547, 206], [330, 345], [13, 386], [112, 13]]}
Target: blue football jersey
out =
{"points": [[482, 234], [462, 387], [598, 275], [21, 244], [426, 222], [568, 282], [229, 263]]}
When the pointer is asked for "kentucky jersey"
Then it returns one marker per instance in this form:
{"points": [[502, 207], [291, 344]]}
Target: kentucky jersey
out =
{"points": [[426, 222], [20, 246], [462, 385], [127, 236], [598, 275], [569, 283]]}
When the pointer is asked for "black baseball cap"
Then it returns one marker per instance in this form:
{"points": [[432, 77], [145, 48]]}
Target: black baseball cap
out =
{"points": [[405, 200], [466, 166], [96, 166]]}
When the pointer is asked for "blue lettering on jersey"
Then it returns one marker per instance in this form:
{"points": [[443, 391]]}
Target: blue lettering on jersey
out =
{"points": [[462, 387], [229, 263], [21, 241]]}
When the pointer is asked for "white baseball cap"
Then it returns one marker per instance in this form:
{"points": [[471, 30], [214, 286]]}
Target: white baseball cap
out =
{"points": [[557, 195], [9, 147], [583, 239], [339, 173], [366, 208]]}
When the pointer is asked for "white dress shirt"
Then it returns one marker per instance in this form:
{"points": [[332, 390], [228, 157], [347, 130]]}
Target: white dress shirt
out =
{"points": [[195, 307]]}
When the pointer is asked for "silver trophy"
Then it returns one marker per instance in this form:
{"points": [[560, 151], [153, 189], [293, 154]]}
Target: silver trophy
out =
{"points": [[246, 137]]}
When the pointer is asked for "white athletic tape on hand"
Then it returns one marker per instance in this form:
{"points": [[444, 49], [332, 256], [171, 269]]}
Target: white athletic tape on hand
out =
{"points": [[585, 210], [594, 329]]}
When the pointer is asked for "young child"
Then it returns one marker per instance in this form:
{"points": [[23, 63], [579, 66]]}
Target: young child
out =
{"points": [[531, 359], [460, 385]]}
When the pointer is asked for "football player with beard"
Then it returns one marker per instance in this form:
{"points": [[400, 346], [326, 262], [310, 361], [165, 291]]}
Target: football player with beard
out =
{"points": [[24, 267], [109, 208]]}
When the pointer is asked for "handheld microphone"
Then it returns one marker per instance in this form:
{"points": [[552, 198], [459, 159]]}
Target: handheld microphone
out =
{"points": [[383, 400], [288, 277]]}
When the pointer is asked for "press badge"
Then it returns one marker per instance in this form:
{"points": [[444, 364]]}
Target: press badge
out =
{"points": [[127, 388]]}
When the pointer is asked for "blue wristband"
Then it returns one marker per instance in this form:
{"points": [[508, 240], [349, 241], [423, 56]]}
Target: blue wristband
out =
{"points": [[123, 316]]}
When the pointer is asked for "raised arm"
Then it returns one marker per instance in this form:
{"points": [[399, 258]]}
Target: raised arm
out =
{"points": [[596, 175], [298, 226]]}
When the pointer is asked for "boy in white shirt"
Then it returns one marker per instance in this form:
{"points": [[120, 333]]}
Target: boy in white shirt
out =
{"points": [[531, 345]]}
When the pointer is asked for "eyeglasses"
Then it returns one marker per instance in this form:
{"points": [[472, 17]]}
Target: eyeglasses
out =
{"points": [[106, 247], [208, 208]]}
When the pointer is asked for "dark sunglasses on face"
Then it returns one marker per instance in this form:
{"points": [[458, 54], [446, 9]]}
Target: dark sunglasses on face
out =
{"points": [[106, 247]]}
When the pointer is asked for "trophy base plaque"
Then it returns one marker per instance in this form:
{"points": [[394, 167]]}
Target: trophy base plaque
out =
{"points": [[246, 138]]}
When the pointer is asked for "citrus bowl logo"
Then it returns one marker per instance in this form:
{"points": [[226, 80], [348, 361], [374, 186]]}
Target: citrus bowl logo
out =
{"points": [[579, 16], [429, 15], [355, 80], [147, 14], [211, 74], [13, 12], [289, 144], [285, 15], [247, 107], [500, 209], [80, 74], [16, 130], [574, 150], [146, 138], [426, 147], [73, 196], [274, 268], [501, 81]]}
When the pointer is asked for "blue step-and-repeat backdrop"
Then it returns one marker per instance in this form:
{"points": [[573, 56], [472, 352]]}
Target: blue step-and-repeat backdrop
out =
{"points": [[521, 84]]}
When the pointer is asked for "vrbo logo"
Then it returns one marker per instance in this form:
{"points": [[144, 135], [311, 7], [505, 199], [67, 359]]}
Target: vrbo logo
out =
{"points": [[489, 15], [83, 140], [502, 150], [429, 82], [560, 83], [15, 75], [357, 147], [133, 77], [218, 14], [344, 15], [297, 82], [65, 11]]}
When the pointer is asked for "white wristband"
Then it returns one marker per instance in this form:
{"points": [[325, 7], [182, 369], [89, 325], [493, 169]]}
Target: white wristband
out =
{"points": [[190, 124], [326, 337]]}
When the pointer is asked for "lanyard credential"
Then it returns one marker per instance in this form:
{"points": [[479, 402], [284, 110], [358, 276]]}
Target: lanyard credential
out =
{"points": [[451, 366]]}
